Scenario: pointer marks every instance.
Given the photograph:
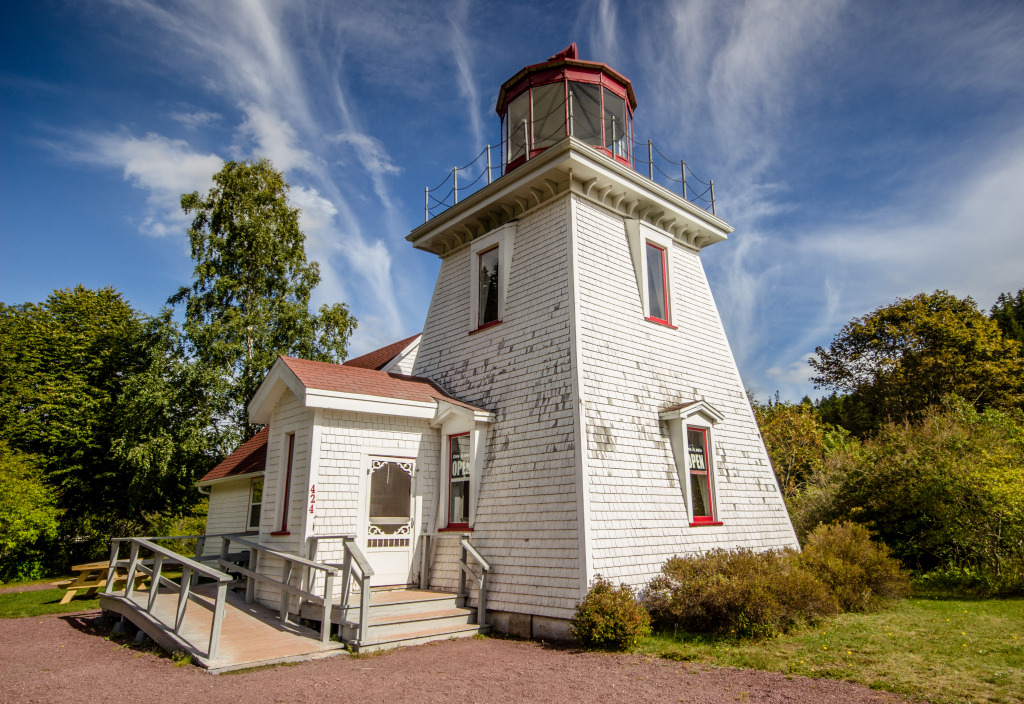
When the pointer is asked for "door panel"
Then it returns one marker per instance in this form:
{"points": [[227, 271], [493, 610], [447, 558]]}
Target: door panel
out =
{"points": [[390, 520]]}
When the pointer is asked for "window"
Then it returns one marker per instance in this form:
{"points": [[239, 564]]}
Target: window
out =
{"points": [[615, 124], [458, 481], [518, 116], [255, 503], [652, 251], [487, 301], [287, 486], [691, 434], [657, 284], [490, 260], [700, 474]]}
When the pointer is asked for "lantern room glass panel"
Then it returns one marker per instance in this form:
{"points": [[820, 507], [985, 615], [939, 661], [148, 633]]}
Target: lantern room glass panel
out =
{"points": [[518, 113], [586, 112], [616, 128], [548, 115]]}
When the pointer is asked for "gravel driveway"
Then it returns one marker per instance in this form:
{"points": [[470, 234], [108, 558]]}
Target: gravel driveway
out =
{"points": [[65, 659]]}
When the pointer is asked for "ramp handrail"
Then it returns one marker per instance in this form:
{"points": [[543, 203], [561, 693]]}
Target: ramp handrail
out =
{"points": [[189, 567], [353, 558], [481, 580], [253, 576]]}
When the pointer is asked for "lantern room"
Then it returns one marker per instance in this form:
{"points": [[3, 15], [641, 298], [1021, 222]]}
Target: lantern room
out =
{"points": [[544, 103]]}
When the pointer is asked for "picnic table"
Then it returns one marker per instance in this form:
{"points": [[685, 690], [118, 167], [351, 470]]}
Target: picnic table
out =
{"points": [[93, 576]]}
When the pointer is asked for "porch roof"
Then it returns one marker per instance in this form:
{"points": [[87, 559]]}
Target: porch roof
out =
{"points": [[249, 458], [337, 386]]}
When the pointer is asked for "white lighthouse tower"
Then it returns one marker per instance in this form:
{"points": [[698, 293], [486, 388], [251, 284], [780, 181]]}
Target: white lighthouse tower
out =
{"points": [[573, 306]]}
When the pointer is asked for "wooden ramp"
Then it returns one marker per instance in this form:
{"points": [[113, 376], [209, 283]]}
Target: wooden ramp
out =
{"points": [[251, 634]]}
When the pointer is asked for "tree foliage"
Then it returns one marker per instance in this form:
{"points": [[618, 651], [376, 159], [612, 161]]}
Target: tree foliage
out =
{"points": [[902, 358], [249, 299], [1008, 312], [29, 516], [102, 396], [941, 493]]}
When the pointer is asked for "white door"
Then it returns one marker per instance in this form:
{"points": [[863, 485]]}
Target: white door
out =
{"points": [[389, 520]]}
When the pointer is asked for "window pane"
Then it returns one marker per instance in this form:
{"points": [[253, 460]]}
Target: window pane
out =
{"points": [[657, 301], [390, 489], [615, 123], [254, 516], [518, 110], [458, 502], [488, 311], [586, 111], [699, 491], [548, 114]]}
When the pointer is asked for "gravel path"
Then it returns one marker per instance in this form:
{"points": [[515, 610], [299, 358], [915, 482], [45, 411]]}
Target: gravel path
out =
{"points": [[65, 659]]}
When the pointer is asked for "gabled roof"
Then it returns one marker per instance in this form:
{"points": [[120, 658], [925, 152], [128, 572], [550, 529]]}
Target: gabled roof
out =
{"points": [[249, 458], [341, 387], [378, 359]]}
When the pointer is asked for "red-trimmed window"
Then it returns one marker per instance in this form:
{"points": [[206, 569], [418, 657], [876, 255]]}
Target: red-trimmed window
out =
{"points": [[458, 481], [287, 484], [700, 475], [657, 284], [490, 288]]}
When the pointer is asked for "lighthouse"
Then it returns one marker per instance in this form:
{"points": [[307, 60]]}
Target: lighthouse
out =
{"points": [[572, 306]]}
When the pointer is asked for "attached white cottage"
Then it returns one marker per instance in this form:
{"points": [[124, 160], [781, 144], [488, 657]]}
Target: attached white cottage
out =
{"points": [[572, 404]]}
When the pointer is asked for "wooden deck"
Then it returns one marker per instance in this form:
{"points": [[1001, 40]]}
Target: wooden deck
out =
{"points": [[251, 634]]}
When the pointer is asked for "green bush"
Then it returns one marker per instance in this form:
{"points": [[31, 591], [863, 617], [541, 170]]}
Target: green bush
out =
{"points": [[861, 573], [742, 593], [29, 516], [609, 618]]}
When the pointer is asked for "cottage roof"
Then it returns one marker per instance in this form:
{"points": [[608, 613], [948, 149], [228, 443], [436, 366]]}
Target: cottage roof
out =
{"points": [[379, 358], [249, 458]]}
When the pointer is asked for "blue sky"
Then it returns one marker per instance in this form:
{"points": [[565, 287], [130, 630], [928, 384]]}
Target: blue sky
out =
{"points": [[862, 150]]}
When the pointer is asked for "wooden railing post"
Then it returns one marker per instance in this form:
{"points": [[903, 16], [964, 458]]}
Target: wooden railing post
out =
{"points": [[325, 622], [218, 620], [133, 560], [154, 584], [183, 593], [115, 549], [286, 576]]}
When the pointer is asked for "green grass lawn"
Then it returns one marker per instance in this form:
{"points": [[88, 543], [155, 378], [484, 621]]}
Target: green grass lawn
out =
{"points": [[42, 602], [946, 649]]}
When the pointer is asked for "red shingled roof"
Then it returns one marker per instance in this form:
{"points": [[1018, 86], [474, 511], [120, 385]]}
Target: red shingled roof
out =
{"points": [[379, 358], [250, 457], [355, 380]]}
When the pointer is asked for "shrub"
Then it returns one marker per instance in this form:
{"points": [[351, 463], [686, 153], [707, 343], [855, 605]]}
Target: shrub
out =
{"points": [[742, 593], [609, 618], [861, 573]]}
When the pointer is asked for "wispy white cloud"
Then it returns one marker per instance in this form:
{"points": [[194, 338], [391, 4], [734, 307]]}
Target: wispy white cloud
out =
{"points": [[198, 118], [163, 167], [458, 14]]}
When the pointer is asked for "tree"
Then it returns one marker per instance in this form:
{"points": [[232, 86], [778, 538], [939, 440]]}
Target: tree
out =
{"points": [[1008, 312], [29, 515], [99, 393], [249, 299], [902, 358]]}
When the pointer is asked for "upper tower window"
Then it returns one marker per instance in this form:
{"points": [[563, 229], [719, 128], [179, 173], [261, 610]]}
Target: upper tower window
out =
{"points": [[545, 103], [489, 286], [657, 283]]}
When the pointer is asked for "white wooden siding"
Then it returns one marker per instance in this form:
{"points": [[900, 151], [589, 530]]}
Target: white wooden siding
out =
{"points": [[229, 509], [526, 521], [631, 369]]}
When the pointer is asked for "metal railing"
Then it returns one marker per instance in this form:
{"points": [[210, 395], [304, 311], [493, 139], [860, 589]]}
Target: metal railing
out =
{"points": [[354, 568], [623, 146], [190, 571], [306, 568]]}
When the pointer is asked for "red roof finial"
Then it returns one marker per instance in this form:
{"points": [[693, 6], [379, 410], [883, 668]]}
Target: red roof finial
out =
{"points": [[568, 52]]}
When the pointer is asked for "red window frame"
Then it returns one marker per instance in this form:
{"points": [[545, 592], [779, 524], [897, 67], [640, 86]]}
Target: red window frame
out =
{"points": [[710, 503], [664, 288], [461, 525], [287, 487]]}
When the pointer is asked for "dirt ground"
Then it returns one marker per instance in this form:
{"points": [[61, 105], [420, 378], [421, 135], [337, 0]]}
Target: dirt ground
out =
{"points": [[66, 659]]}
